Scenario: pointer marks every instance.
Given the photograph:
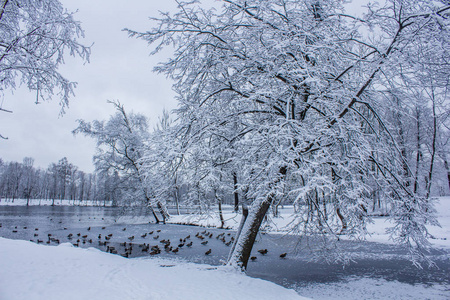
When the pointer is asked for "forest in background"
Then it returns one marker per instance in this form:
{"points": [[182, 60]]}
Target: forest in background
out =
{"points": [[60, 181]]}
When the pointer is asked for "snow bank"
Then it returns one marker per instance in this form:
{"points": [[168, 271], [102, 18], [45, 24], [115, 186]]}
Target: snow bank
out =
{"points": [[33, 272]]}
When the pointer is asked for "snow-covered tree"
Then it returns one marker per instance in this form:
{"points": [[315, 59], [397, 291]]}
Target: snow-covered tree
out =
{"points": [[34, 37], [295, 90], [29, 183], [121, 143], [162, 161]]}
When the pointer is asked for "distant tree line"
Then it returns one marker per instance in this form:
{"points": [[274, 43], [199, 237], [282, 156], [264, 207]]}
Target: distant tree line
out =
{"points": [[60, 181]]}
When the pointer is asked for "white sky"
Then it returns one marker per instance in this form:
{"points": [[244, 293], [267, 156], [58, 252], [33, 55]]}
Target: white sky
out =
{"points": [[120, 68]]}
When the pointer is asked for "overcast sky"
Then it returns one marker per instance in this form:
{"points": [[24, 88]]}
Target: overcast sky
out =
{"points": [[120, 68]]}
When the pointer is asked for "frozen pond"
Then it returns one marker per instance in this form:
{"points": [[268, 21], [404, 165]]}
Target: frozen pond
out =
{"points": [[371, 260]]}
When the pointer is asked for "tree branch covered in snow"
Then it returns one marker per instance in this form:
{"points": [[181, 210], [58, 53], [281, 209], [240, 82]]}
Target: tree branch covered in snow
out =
{"points": [[293, 96], [34, 37]]}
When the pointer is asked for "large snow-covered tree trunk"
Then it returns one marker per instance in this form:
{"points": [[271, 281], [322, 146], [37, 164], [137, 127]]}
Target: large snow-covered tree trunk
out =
{"points": [[239, 230], [245, 239]]}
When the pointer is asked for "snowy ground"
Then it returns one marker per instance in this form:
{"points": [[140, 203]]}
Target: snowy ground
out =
{"points": [[34, 272]]}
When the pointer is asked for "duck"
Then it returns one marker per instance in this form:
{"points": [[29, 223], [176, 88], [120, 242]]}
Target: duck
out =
{"points": [[175, 250], [204, 243], [144, 235], [263, 251], [189, 244], [283, 255], [253, 258], [208, 252]]}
